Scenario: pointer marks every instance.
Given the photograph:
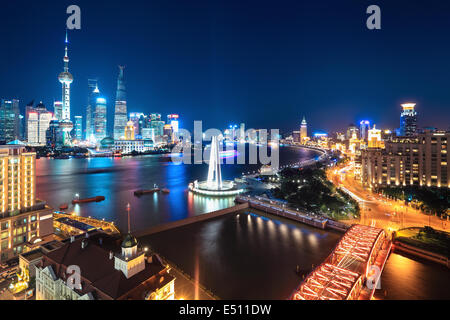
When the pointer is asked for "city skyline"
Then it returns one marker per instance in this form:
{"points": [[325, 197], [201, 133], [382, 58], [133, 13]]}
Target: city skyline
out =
{"points": [[164, 75], [224, 150]]}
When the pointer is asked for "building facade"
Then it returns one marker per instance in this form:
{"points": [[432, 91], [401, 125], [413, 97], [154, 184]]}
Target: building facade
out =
{"points": [[90, 109], [23, 218], [421, 161], [408, 120], [78, 128], [120, 112], [303, 131], [100, 119], [9, 120], [38, 121], [129, 131], [105, 274], [128, 146]]}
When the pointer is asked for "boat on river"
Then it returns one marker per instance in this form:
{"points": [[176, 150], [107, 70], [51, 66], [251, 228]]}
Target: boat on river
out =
{"points": [[145, 191], [85, 200]]}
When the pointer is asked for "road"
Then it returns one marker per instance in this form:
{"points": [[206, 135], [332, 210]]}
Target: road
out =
{"points": [[379, 211]]}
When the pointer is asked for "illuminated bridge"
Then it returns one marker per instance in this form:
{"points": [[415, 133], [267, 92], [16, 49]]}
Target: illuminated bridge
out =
{"points": [[352, 270]]}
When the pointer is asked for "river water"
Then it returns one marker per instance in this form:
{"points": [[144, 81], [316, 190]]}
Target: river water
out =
{"points": [[58, 180]]}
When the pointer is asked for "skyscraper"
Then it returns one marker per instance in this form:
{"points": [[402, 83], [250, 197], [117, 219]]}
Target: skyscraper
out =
{"points": [[92, 96], [408, 120], [9, 120], [120, 113], [364, 127], [54, 134], [129, 131], [100, 119], [137, 119], [23, 218], [66, 79], [57, 110], [303, 130], [38, 121], [78, 128]]}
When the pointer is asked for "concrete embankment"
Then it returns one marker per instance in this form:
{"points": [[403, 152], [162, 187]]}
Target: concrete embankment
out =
{"points": [[421, 253], [198, 218]]}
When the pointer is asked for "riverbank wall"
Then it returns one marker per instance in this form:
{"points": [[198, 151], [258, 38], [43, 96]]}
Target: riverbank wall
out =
{"points": [[421, 253]]}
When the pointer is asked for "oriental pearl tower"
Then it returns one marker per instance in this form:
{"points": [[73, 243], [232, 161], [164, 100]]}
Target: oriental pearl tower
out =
{"points": [[66, 79]]}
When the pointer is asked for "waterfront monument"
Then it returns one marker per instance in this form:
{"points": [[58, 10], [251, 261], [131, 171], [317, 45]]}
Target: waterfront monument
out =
{"points": [[214, 185]]}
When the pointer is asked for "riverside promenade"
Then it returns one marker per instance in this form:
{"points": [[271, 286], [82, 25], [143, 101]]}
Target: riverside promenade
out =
{"points": [[280, 210]]}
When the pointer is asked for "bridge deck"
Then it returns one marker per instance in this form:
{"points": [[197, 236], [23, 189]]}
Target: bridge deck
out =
{"points": [[359, 256]]}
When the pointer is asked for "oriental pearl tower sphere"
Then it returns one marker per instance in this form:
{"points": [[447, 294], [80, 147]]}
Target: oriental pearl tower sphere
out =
{"points": [[66, 79]]}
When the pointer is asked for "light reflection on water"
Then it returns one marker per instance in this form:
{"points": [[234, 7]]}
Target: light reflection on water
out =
{"points": [[245, 256], [58, 180]]}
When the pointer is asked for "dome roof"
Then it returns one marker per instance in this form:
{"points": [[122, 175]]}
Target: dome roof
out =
{"points": [[65, 77], [129, 241]]}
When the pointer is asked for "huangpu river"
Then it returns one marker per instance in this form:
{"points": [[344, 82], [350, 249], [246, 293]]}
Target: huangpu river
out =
{"points": [[58, 180]]}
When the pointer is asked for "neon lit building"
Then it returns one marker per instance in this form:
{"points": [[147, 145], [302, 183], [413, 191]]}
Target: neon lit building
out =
{"points": [[120, 113], [303, 130], [408, 120], [421, 160], [364, 127], [9, 120], [38, 121], [23, 218], [172, 119], [66, 79], [78, 128], [129, 131], [57, 110], [374, 138], [100, 119], [90, 109]]}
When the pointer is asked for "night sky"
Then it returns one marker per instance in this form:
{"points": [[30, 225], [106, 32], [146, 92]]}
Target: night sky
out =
{"points": [[265, 63]]}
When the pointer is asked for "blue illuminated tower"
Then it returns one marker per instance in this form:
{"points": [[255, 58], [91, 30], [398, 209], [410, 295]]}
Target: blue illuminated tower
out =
{"points": [[66, 79]]}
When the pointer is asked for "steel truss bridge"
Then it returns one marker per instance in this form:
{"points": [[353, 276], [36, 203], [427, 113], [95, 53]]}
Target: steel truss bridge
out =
{"points": [[352, 270]]}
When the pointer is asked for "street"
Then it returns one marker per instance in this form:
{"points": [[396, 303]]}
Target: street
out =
{"points": [[379, 211]]}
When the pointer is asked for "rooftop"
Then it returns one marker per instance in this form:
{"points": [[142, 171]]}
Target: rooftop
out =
{"points": [[98, 274]]}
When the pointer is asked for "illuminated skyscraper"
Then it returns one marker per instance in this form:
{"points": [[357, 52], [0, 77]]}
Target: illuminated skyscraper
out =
{"points": [[129, 131], [38, 121], [137, 119], [350, 130], [9, 120], [374, 138], [23, 218], [303, 130], [364, 127], [100, 119], [120, 114], [54, 134], [57, 110], [172, 119], [408, 120], [78, 128], [90, 109], [66, 79]]}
